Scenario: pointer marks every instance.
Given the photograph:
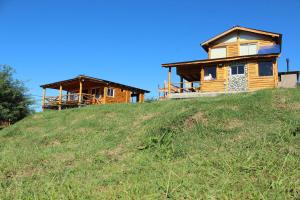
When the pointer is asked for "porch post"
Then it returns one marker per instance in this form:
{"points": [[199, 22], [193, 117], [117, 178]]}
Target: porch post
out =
{"points": [[60, 97], [43, 98], [80, 92], [129, 101], [104, 95], [181, 84], [169, 81], [141, 98]]}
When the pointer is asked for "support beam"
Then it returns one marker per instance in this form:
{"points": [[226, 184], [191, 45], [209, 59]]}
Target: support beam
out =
{"points": [[43, 98], [141, 97], [68, 96], [169, 80], [130, 96], [60, 97], [181, 84], [104, 95], [80, 93]]}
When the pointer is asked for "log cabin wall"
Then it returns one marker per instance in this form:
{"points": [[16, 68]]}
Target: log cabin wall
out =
{"points": [[120, 96], [217, 85], [256, 82]]}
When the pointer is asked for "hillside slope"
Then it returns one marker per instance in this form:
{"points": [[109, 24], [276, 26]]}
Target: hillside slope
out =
{"points": [[227, 147]]}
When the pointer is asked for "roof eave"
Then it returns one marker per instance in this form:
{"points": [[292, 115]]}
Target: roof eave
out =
{"points": [[227, 59]]}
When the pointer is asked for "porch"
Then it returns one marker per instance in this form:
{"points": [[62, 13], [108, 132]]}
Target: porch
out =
{"points": [[84, 90], [217, 76], [70, 101]]}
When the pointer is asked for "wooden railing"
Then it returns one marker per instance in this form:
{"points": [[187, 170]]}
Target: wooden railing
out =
{"points": [[72, 99], [179, 87]]}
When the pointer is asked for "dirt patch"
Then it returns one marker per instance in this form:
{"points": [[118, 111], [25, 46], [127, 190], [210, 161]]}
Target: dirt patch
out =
{"points": [[55, 143], [233, 124], [197, 118]]}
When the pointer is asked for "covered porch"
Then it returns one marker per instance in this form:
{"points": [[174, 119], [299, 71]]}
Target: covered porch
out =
{"points": [[84, 90], [191, 78], [200, 77], [76, 93]]}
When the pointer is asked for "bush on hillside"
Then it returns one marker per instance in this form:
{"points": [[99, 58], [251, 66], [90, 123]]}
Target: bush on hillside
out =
{"points": [[14, 102]]}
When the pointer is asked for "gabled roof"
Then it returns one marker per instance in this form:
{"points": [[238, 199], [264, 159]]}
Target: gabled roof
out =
{"points": [[57, 84], [235, 28]]}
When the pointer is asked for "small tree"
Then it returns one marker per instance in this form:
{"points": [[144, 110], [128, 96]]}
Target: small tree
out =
{"points": [[14, 102]]}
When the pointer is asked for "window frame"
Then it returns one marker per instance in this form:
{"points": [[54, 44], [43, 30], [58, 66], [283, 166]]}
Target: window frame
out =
{"points": [[237, 70], [259, 72], [108, 93], [96, 89], [222, 47], [248, 44], [209, 67]]}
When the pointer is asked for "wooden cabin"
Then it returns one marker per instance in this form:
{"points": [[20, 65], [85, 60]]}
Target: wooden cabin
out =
{"points": [[84, 90], [239, 59]]}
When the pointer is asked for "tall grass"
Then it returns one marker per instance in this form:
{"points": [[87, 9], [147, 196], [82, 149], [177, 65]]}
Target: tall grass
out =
{"points": [[243, 146]]}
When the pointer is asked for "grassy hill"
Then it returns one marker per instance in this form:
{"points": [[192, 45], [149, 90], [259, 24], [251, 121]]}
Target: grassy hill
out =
{"points": [[244, 146]]}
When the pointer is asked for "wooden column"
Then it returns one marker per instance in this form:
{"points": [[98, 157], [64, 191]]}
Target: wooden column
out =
{"points": [[238, 43], [104, 95], [130, 96], [141, 97], [80, 93], [60, 97], [169, 80], [43, 98], [181, 84], [126, 96]]}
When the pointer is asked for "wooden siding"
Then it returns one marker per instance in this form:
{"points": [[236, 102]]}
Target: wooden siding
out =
{"points": [[119, 96], [232, 50], [233, 47], [215, 85], [256, 82]]}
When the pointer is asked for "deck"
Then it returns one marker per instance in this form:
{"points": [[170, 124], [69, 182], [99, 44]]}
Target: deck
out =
{"points": [[70, 101]]}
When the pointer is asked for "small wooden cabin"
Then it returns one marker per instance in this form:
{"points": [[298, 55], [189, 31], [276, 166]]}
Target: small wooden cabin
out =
{"points": [[84, 90], [239, 59]]}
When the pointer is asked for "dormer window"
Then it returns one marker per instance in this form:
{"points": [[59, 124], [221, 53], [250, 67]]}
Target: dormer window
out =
{"points": [[218, 53], [248, 49]]}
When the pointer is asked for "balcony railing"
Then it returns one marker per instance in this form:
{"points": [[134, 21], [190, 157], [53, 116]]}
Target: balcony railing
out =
{"points": [[180, 87], [72, 100]]}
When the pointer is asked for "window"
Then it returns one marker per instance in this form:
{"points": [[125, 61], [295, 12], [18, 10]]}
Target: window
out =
{"points": [[238, 69], [96, 92], [210, 73], [248, 49], [110, 92], [265, 69], [218, 53]]}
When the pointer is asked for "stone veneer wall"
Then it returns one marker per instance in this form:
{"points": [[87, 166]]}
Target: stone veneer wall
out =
{"points": [[237, 82]]}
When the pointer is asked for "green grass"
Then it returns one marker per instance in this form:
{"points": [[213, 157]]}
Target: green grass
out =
{"points": [[244, 146]]}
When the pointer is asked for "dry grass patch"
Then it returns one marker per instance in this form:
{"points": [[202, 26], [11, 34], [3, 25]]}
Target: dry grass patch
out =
{"points": [[197, 118], [233, 124]]}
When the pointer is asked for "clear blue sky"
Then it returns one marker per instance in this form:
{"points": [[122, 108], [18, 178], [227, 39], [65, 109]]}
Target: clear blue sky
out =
{"points": [[127, 41]]}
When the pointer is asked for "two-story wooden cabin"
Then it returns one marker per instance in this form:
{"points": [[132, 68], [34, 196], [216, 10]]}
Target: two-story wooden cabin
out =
{"points": [[239, 59], [85, 90]]}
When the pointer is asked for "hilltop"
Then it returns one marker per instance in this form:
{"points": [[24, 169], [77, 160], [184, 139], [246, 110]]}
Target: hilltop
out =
{"points": [[243, 146]]}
